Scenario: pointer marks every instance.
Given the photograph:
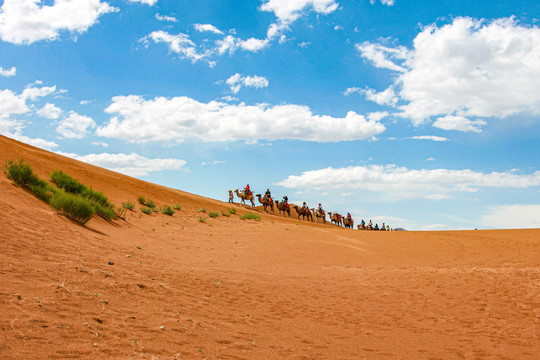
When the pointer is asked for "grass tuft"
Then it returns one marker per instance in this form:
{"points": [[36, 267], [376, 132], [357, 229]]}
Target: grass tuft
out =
{"points": [[203, 210], [167, 211], [177, 207], [74, 207], [225, 214], [213, 214], [128, 205], [202, 219], [232, 211], [141, 200], [250, 215], [146, 210]]}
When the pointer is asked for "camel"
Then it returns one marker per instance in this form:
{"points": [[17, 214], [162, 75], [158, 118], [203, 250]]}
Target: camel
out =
{"points": [[348, 223], [304, 212], [266, 202], [335, 218], [319, 215], [245, 197], [282, 207]]}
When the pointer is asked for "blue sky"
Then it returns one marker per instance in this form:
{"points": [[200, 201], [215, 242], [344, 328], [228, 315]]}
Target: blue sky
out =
{"points": [[420, 114]]}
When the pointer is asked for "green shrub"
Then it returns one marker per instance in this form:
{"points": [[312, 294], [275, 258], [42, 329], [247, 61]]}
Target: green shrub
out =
{"points": [[150, 204], [141, 200], [72, 206], [67, 183], [177, 207], [250, 215], [23, 175], [120, 211], [225, 214], [202, 219], [128, 205], [232, 211], [213, 214], [203, 210], [146, 210], [167, 210], [105, 211]]}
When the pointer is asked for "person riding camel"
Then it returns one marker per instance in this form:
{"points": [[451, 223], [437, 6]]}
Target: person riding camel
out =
{"points": [[247, 190], [320, 209], [268, 195], [286, 201]]}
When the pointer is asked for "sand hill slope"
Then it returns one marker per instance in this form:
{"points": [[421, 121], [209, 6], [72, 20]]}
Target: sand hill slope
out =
{"points": [[243, 289]]}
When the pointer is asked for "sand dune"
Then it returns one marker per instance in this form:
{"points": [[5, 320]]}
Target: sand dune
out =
{"points": [[243, 289]]}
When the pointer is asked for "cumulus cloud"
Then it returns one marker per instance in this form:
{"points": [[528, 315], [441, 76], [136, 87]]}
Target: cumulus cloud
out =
{"points": [[401, 182], [208, 27], [468, 68], [459, 123], [75, 126], [177, 119], [166, 18], [386, 97], [429, 137], [516, 216], [237, 81], [8, 73], [27, 21], [49, 111], [288, 11], [147, 2], [384, 2], [129, 164], [179, 44]]}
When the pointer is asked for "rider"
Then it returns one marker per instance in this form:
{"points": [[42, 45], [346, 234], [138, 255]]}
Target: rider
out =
{"points": [[304, 206], [268, 195], [349, 216], [320, 209], [247, 190], [286, 201]]}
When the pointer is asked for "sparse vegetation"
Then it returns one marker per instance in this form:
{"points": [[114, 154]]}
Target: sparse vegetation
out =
{"points": [[23, 175], [202, 219], [232, 211], [213, 214], [128, 205], [203, 210], [120, 212], [250, 215], [225, 214], [74, 207], [177, 207], [141, 200], [167, 211], [146, 210], [150, 204]]}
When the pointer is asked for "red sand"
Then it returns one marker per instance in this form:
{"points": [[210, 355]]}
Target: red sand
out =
{"points": [[243, 289]]}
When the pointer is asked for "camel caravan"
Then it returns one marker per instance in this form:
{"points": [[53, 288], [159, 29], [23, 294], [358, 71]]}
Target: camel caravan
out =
{"points": [[317, 215]]}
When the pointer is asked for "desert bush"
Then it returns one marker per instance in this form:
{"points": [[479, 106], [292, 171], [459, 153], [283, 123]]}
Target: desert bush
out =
{"points": [[250, 215], [146, 210], [141, 200], [202, 219], [105, 211], [128, 205], [232, 211], [167, 210], [120, 211], [67, 183], [23, 175], [225, 214], [177, 207], [150, 204], [203, 210], [213, 214], [75, 207]]}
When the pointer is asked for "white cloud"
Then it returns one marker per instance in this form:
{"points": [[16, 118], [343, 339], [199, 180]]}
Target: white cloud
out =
{"points": [[147, 2], [32, 92], [215, 162], [27, 21], [469, 68], [75, 126], [97, 143], [129, 164], [459, 123], [166, 18], [237, 80], [384, 2], [49, 111], [400, 182], [37, 142], [429, 137], [8, 73], [208, 27], [517, 216], [288, 11], [386, 97], [181, 118], [179, 44]]}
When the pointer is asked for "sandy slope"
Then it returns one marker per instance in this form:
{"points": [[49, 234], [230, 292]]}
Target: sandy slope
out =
{"points": [[234, 289]]}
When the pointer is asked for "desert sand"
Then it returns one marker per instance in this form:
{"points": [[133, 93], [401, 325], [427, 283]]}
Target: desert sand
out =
{"points": [[172, 287]]}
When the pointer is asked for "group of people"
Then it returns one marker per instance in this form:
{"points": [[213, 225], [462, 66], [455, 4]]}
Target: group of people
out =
{"points": [[369, 226]]}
